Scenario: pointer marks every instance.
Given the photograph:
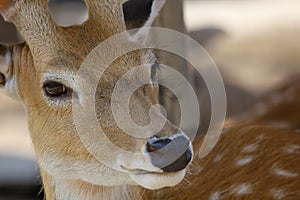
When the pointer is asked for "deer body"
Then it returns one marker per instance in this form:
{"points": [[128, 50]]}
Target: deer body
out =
{"points": [[248, 162]]}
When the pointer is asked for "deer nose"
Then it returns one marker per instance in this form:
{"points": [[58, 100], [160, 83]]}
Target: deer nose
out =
{"points": [[170, 154]]}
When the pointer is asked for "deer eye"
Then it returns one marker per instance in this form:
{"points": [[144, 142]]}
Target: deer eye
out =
{"points": [[55, 89]]}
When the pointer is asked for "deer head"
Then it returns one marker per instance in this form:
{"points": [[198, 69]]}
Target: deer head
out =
{"points": [[41, 73]]}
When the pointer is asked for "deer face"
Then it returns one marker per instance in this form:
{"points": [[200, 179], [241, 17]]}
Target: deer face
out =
{"points": [[42, 74]]}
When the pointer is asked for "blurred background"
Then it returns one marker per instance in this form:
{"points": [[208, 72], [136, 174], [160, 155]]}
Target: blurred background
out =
{"points": [[255, 44]]}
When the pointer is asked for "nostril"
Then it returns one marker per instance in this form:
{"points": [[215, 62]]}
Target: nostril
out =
{"points": [[170, 155], [155, 144], [189, 156]]}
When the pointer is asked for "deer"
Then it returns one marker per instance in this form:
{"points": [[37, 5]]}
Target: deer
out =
{"points": [[278, 107], [250, 160]]}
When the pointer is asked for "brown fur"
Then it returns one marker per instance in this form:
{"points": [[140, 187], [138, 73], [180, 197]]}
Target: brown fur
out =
{"points": [[208, 175]]}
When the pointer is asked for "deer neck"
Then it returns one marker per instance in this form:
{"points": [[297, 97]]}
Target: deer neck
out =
{"points": [[78, 190]]}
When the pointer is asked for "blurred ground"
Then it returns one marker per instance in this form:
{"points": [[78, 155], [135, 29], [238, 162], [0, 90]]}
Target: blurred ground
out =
{"points": [[255, 43]]}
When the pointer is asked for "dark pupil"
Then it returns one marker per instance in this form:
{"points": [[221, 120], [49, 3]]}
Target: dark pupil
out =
{"points": [[54, 89]]}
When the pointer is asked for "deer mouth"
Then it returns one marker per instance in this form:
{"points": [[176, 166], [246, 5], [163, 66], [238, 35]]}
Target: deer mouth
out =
{"points": [[164, 162], [154, 180], [139, 171]]}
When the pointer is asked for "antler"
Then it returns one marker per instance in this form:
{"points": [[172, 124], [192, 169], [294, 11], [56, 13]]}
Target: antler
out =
{"points": [[31, 18], [106, 14]]}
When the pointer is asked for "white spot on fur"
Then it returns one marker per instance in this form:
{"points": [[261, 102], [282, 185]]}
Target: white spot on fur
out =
{"points": [[260, 138], [285, 173], [218, 158], [277, 193], [250, 148], [244, 188], [244, 161], [215, 196], [291, 149]]}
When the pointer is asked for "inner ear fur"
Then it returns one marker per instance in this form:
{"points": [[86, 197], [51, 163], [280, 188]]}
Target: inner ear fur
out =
{"points": [[5, 64], [140, 15]]}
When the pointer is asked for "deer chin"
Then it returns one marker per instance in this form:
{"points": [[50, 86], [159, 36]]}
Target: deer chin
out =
{"points": [[157, 180]]}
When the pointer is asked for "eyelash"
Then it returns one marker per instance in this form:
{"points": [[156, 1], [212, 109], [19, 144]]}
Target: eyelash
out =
{"points": [[55, 90]]}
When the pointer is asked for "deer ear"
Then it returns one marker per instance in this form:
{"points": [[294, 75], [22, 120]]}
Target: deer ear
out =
{"points": [[139, 15], [5, 66], [136, 12]]}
